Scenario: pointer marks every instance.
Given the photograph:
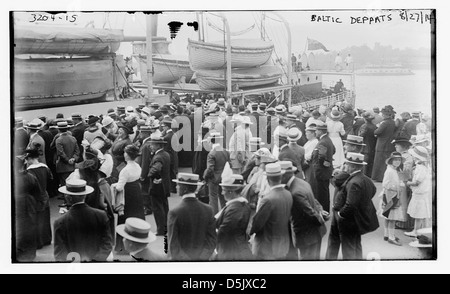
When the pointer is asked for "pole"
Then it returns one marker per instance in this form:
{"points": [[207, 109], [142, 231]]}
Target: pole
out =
{"points": [[149, 21], [227, 29], [199, 28], [289, 63]]}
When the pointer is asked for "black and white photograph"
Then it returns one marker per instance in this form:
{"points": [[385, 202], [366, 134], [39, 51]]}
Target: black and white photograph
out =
{"points": [[219, 137]]}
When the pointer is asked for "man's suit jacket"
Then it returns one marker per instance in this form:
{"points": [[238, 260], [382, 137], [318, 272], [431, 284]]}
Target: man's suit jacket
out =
{"points": [[215, 165], [34, 140], [160, 169], [78, 132], [288, 154], [307, 222], [322, 158], [191, 231], [299, 153], [271, 225], [21, 140], [169, 148], [83, 230], [145, 158], [66, 148], [409, 128], [359, 209]]}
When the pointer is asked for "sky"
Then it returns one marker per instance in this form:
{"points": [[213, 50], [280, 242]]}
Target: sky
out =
{"points": [[335, 29]]}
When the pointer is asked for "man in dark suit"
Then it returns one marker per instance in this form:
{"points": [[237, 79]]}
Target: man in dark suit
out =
{"points": [[286, 153], [67, 153], [255, 119], [294, 135], [172, 148], [308, 224], [409, 128], [83, 230], [21, 137], [78, 130], [356, 214], [271, 221], [217, 158], [191, 225], [322, 161], [36, 141], [144, 161], [159, 183]]}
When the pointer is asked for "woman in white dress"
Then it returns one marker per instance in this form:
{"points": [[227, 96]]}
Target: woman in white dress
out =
{"points": [[309, 146], [335, 131]]}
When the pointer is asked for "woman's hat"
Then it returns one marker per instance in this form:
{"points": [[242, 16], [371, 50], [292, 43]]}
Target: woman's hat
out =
{"points": [[187, 179], [401, 140], [262, 152], [126, 128], [368, 115], [107, 121], [335, 114], [76, 187], [274, 170], [355, 158], [355, 140], [294, 134], [136, 230], [393, 156], [234, 180], [288, 166], [388, 109], [146, 111], [419, 152], [93, 119], [255, 141]]}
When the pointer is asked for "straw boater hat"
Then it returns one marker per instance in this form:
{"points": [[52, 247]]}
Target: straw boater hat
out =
{"points": [[401, 140], [145, 129], [335, 115], [76, 187], [311, 128], [157, 140], [274, 170], [136, 230], [33, 125], [294, 134], [234, 181], [271, 111], [62, 125], [355, 158], [393, 156], [287, 166], [322, 127], [198, 102], [354, 140], [188, 179], [419, 152], [154, 124], [292, 117]]}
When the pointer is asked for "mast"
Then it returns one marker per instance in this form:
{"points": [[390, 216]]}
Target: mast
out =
{"points": [[149, 31], [227, 27]]}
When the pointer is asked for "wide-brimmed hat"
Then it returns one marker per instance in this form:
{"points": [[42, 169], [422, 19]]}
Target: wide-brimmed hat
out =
{"points": [[107, 121], [419, 152], [76, 187], [354, 140], [355, 158], [136, 230], [263, 152], [188, 179], [126, 128], [146, 110], [335, 115], [394, 155], [287, 166], [274, 170], [401, 140], [234, 180], [294, 134]]}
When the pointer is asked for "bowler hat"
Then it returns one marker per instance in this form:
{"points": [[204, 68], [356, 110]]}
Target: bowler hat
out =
{"points": [[136, 230], [76, 187]]}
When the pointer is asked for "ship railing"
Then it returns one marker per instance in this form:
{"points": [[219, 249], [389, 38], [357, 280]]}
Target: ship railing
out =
{"points": [[329, 101]]}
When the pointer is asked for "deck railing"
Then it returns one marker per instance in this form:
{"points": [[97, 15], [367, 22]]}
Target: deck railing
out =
{"points": [[329, 101]]}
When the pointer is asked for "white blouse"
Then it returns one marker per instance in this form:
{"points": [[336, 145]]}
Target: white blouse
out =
{"points": [[309, 148], [130, 173]]}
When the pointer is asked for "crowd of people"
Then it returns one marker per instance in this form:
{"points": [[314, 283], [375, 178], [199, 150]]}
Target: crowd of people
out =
{"points": [[259, 188]]}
